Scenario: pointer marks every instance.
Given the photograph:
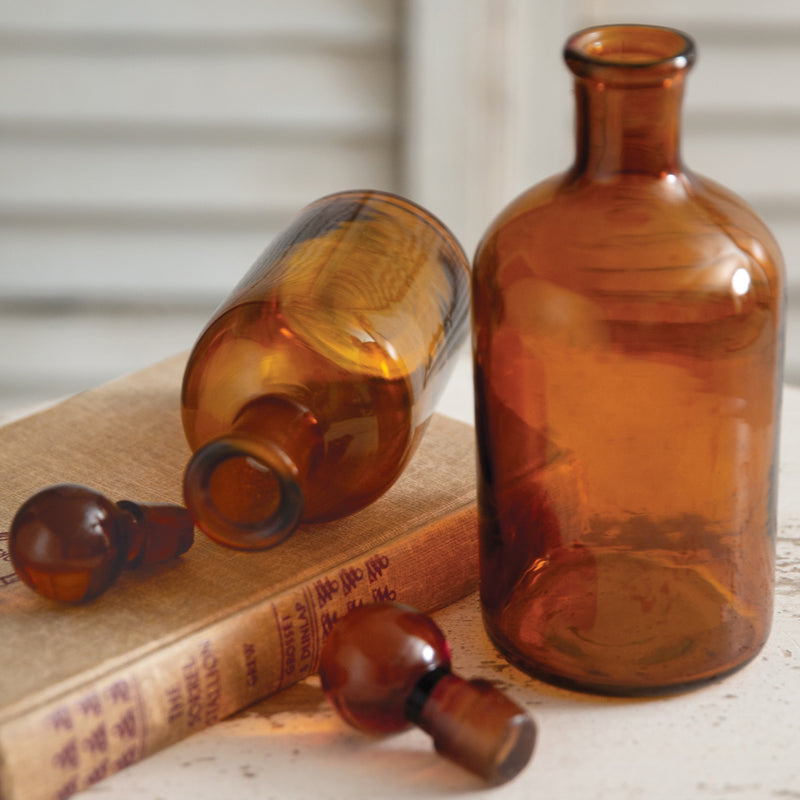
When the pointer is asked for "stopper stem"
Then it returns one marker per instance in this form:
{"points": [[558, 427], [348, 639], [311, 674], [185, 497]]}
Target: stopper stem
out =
{"points": [[475, 725], [157, 532]]}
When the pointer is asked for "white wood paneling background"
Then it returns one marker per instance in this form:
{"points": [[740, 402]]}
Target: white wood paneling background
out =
{"points": [[148, 153], [150, 150]]}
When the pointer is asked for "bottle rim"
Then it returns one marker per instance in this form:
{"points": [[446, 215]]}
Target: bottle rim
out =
{"points": [[635, 54], [224, 529]]}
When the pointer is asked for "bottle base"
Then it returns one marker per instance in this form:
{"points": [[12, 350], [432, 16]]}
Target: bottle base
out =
{"points": [[620, 624], [541, 672]]}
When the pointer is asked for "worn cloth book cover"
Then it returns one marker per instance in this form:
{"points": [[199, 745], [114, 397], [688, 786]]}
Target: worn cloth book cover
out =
{"points": [[169, 649]]}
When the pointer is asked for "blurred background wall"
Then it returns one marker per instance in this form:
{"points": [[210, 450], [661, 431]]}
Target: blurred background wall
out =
{"points": [[149, 151]]}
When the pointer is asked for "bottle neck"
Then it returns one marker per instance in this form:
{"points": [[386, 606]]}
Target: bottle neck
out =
{"points": [[246, 489], [284, 425], [621, 129], [628, 90]]}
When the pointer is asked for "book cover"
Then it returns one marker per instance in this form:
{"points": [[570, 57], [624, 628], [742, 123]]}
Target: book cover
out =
{"points": [[172, 648]]}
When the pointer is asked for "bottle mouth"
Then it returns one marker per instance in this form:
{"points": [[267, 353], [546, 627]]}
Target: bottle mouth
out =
{"points": [[633, 54], [243, 495]]}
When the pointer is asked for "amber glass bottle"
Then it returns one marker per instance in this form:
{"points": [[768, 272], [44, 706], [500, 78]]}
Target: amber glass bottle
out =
{"points": [[308, 391], [628, 319]]}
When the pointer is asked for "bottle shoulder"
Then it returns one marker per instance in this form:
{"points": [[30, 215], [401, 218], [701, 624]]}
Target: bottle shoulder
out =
{"points": [[566, 228]]}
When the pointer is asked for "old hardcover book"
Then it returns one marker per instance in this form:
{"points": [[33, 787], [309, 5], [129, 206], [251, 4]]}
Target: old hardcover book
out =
{"points": [[170, 649]]}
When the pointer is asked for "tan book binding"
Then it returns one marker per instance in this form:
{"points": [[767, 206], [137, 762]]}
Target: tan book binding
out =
{"points": [[170, 649]]}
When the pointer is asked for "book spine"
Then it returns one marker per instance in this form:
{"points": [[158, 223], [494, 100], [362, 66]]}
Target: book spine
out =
{"points": [[77, 738]]}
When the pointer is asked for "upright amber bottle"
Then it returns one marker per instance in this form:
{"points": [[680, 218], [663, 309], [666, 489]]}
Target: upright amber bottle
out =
{"points": [[628, 319], [308, 391]]}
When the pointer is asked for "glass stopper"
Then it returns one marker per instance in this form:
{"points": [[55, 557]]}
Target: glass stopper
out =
{"points": [[386, 666], [70, 543]]}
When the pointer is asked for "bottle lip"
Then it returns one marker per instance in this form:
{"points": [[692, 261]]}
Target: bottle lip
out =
{"points": [[259, 534], [632, 54]]}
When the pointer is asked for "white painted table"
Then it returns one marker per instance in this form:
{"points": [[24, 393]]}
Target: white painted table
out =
{"points": [[738, 738]]}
